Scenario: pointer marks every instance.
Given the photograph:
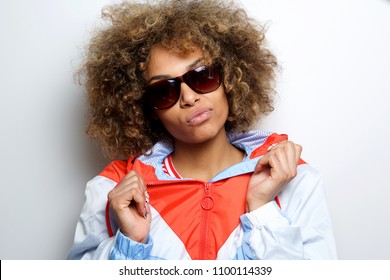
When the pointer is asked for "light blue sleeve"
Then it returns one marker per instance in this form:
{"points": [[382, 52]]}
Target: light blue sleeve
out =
{"points": [[269, 235], [300, 229], [127, 249]]}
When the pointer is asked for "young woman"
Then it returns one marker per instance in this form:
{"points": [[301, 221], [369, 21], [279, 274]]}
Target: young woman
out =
{"points": [[174, 89]]}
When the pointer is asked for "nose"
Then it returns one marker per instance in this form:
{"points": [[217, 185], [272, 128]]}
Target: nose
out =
{"points": [[188, 97]]}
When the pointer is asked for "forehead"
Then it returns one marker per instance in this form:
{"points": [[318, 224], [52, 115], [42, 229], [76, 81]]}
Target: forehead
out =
{"points": [[162, 58], [173, 62]]}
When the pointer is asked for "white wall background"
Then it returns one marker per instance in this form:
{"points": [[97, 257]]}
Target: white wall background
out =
{"points": [[334, 90]]}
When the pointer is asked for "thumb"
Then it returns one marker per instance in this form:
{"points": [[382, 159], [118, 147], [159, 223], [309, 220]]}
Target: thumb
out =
{"points": [[262, 164]]}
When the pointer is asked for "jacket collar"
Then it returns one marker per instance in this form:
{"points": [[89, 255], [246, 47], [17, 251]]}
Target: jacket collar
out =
{"points": [[248, 142]]}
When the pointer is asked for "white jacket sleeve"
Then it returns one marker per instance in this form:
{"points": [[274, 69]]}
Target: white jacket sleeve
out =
{"points": [[299, 229], [91, 239]]}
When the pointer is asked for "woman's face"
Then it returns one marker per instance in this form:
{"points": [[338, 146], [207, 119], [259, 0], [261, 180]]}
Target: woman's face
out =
{"points": [[194, 118]]}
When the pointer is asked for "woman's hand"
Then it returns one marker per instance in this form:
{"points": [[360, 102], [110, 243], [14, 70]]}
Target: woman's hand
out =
{"points": [[271, 173], [129, 200]]}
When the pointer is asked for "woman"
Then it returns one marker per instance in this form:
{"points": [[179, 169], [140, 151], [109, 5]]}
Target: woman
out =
{"points": [[174, 89]]}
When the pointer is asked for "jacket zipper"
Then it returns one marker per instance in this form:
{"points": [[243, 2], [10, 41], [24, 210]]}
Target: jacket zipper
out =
{"points": [[206, 203]]}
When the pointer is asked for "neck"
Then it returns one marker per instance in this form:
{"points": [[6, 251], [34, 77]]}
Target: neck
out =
{"points": [[204, 160]]}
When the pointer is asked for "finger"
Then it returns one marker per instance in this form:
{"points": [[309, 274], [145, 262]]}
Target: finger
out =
{"points": [[298, 152], [294, 149], [262, 164], [278, 145], [141, 204], [146, 209], [290, 159], [279, 164], [293, 153], [281, 161], [148, 214], [272, 146], [289, 154], [128, 195], [274, 161], [122, 198], [131, 181], [132, 177], [140, 200]]}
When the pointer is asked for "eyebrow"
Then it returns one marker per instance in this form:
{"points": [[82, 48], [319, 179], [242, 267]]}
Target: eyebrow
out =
{"points": [[160, 77]]}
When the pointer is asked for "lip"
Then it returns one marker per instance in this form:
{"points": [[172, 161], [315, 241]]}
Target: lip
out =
{"points": [[198, 116]]}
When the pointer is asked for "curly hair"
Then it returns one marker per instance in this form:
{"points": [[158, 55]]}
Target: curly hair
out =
{"points": [[118, 54]]}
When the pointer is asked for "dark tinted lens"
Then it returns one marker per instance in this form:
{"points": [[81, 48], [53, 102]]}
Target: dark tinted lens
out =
{"points": [[203, 79], [163, 94]]}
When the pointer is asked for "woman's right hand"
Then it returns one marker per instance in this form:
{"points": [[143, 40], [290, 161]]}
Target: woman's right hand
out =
{"points": [[129, 200]]}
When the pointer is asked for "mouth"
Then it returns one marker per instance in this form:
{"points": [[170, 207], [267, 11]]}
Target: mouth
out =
{"points": [[198, 116]]}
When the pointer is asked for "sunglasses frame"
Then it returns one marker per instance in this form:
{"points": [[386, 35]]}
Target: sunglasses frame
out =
{"points": [[176, 82]]}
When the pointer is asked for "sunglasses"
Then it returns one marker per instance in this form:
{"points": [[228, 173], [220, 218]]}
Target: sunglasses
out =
{"points": [[165, 93]]}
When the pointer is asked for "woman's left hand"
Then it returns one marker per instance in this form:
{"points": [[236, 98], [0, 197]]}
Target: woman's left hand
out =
{"points": [[272, 172]]}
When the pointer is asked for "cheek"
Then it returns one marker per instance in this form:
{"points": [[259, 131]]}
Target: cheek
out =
{"points": [[167, 119], [224, 104], [174, 128]]}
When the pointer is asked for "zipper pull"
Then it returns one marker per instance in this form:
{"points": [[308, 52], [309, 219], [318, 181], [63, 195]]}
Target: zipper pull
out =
{"points": [[207, 201]]}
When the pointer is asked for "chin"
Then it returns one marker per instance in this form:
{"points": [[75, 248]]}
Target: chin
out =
{"points": [[198, 137]]}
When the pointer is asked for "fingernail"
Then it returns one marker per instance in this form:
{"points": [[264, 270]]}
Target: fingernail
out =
{"points": [[147, 196], [147, 209], [145, 213], [273, 145]]}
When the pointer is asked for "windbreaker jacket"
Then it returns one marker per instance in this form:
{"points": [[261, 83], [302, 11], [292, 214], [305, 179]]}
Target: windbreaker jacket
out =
{"points": [[193, 219]]}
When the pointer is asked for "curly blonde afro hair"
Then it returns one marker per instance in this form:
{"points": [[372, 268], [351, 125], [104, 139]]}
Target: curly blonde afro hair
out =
{"points": [[118, 54]]}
